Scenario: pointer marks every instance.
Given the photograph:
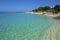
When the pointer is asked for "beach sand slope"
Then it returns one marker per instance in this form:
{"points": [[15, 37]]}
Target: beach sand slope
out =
{"points": [[53, 33]]}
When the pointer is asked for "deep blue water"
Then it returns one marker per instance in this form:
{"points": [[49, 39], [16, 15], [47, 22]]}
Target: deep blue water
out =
{"points": [[23, 26]]}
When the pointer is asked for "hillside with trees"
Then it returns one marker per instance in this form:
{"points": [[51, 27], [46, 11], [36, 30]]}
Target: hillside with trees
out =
{"points": [[45, 8]]}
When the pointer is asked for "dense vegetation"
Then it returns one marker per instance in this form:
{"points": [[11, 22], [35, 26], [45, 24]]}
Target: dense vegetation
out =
{"points": [[45, 8], [57, 8]]}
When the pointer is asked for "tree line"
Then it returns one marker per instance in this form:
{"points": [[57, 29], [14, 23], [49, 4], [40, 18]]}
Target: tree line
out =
{"points": [[45, 8]]}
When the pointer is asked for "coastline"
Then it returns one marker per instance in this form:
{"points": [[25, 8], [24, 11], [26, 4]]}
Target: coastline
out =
{"points": [[34, 12], [48, 14], [52, 15], [53, 32]]}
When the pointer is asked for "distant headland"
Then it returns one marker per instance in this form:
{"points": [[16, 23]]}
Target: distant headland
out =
{"points": [[48, 11]]}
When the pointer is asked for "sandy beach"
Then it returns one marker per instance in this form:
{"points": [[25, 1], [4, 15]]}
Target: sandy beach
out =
{"points": [[52, 15], [53, 33], [46, 14]]}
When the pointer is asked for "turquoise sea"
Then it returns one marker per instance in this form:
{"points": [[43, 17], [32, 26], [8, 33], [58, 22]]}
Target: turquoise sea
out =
{"points": [[23, 26]]}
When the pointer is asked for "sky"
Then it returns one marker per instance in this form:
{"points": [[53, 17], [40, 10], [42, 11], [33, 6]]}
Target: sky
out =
{"points": [[24, 5]]}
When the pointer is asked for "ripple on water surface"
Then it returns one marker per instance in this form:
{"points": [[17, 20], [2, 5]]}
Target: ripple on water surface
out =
{"points": [[23, 26]]}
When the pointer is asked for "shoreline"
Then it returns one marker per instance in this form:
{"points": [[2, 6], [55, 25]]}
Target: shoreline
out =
{"points": [[45, 13], [53, 32], [34, 12]]}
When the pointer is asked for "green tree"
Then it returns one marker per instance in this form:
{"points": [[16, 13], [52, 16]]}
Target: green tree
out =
{"points": [[57, 8], [35, 10], [42, 9]]}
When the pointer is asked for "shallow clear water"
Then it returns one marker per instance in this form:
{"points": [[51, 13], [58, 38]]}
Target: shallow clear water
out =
{"points": [[22, 26]]}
